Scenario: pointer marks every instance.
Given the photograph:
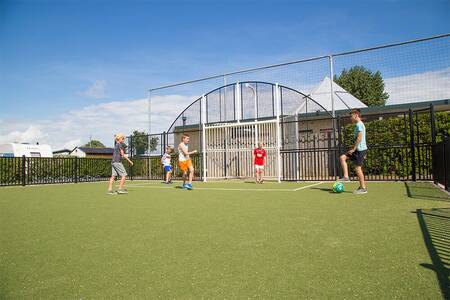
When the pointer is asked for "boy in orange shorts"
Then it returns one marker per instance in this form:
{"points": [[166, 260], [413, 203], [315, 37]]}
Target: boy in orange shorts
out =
{"points": [[184, 161]]}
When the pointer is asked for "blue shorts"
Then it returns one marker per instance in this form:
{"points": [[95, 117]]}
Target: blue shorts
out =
{"points": [[167, 168]]}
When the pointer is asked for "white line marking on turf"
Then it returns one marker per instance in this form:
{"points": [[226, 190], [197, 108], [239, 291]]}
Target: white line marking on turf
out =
{"points": [[229, 189], [253, 190], [307, 186], [212, 188]]}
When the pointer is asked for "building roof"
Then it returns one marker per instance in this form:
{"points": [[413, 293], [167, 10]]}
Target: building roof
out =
{"points": [[342, 98], [439, 105], [97, 150], [62, 151]]}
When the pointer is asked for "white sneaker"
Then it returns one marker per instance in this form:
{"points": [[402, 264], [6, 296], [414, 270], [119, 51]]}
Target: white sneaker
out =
{"points": [[360, 190]]}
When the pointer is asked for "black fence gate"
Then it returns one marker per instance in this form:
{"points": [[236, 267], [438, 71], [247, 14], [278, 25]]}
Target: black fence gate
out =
{"points": [[441, 163]]}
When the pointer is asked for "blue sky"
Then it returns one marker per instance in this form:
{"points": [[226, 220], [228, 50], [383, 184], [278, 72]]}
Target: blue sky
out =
{"points": [[62, 56]]}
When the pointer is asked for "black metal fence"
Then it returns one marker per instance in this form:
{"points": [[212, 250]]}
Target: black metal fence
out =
{"points": [[403, 145], [441, 163], [36, 170]]}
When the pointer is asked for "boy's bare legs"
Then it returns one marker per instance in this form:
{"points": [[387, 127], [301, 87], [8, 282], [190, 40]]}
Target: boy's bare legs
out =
{"points": [[344, 166], [111, 182], [191, 174], [359, 172], [184, 177], [167, 176], [258, 176], [122, 182]]}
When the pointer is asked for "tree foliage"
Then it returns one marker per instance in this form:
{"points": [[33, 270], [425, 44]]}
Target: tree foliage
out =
{"points": [[140, 142], [94, 144], [364, 84]]}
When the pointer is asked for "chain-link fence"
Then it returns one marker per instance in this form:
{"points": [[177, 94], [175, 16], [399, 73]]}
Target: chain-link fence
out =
{"points": [[384, 81], [402, 90]]}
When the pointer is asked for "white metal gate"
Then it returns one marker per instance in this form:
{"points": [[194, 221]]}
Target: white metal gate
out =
{"points": [[229, 149]]}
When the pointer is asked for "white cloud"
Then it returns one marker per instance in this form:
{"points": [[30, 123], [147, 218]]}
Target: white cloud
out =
{"points": [[101, 121], [426, 86], [96, 91], [31, 134]]}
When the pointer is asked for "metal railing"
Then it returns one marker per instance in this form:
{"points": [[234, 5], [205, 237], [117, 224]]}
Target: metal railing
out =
{"points": [[441, 163], [36, 170]]}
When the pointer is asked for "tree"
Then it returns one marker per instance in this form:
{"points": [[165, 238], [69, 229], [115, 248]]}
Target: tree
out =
{"points": [[140, 142], [94, 144], [364, 84]]}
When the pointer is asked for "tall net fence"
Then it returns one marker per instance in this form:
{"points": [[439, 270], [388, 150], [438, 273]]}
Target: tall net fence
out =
{"points": [[299, 110], [315, 96]]}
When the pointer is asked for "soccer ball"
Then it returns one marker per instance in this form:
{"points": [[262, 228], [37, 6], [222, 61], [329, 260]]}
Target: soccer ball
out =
{"points": [[338, 187]]}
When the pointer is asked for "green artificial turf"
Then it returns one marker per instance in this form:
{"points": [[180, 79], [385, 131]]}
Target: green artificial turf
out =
{"points": [[222, 240]]}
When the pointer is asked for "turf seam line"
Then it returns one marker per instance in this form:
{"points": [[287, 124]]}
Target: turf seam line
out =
{"points": [[308, 186], [231, 189], [214, 189]]}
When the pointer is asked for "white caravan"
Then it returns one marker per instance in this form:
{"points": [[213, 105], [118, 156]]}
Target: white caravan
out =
{"points": [[18, 150]]}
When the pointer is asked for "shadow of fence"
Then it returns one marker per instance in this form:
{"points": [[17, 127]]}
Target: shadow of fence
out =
{"points": [[425, 191], [435, 226]]}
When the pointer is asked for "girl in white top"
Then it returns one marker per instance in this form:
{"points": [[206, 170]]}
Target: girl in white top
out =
{"points": [[165, 160]]}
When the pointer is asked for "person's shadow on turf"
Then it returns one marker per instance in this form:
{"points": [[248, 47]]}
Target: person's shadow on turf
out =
{"points": [[329, 190]]}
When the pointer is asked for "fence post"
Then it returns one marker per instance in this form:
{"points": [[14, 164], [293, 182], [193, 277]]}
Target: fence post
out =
{"points": [[163, 150], [433, 125], [444, 161], [75, 169], [131, 156], [339, 147], [23, 173], [412, 145]]}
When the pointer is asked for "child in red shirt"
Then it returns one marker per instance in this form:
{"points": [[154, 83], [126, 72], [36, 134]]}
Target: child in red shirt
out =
{"points": [[259, 159]]}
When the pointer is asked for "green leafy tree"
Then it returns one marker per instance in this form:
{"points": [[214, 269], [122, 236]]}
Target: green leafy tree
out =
{"points": [[364, 84], [94, 144], [140, 142]]}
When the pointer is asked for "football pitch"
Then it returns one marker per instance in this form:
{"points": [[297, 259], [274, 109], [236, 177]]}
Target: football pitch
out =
{"points": [[224, 240]]}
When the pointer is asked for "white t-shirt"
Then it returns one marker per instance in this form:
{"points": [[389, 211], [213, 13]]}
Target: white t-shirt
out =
{"points": [[165, 160], [181, 156]]}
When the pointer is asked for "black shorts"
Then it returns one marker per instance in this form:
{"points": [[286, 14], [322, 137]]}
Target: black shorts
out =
{"points": [[358, 157]]}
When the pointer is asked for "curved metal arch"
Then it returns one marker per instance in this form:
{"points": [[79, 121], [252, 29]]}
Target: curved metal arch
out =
{"points": [[244, 82], [219, 88], [184, 110]]}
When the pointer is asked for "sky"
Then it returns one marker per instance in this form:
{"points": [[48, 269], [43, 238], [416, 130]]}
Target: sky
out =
{"points": [[71, 70]]}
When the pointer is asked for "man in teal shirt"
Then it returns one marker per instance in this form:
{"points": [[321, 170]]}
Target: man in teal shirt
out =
{"points": [[358, 153]]}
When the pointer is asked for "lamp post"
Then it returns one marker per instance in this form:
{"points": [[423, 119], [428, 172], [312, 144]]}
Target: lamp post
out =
{"points": [[184, 118]]}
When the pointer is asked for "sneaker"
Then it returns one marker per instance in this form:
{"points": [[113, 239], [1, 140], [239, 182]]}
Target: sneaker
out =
{"points": [[360, 191], [189, 186], [344, 179], [111, 193], [122, 192], [184, 186]]}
